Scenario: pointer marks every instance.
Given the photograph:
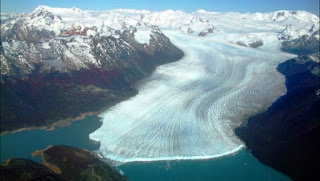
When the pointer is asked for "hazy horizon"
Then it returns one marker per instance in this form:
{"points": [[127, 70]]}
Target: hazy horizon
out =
{"points": [[245, 6]]}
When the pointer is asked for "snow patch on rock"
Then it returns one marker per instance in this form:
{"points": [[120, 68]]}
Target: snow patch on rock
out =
{"points": [[143, 36]]}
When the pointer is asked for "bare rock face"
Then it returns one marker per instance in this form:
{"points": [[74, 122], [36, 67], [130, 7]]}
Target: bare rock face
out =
{"points": [[302, 46], [240, 43], [256, 44], [207, 31], [190, 30]]}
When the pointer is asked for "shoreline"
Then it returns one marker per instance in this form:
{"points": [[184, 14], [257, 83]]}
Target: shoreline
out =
{"points": [[60, 123], [67, 121], [51, 166]]}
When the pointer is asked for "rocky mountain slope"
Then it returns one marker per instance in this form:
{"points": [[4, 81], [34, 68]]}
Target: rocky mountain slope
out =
{"points": [[53, 67], [286, 136], [25, 169], [60, 163], [304, 45]]}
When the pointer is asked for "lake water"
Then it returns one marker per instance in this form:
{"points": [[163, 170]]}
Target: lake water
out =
{"points": [[22, 144], [238, 166]]}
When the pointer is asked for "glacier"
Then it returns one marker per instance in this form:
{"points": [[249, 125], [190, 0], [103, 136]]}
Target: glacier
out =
{"points": [[188, 109]]}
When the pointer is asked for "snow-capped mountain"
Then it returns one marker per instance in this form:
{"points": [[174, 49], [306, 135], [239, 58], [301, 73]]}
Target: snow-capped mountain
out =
{"points": [[71, 58], [286, 25], [66, 39], [70, 39], [304, 45], [7, 17], [300, 23], [179, 20], [169, 19], [86, 60]]}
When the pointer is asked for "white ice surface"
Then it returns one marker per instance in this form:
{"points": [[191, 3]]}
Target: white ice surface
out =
{"points": [[188, 109], [142, 36]]}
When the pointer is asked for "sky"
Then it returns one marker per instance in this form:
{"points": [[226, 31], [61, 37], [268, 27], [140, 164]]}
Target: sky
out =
{"points": [[160, 5]]}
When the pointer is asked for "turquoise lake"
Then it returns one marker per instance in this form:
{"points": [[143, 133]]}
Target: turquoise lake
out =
{"points": [[238, 166]]}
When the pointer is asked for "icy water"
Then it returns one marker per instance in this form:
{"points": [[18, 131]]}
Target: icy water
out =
{"points": [[238, 166], [23, 144], [188, 109], [241, 166]]}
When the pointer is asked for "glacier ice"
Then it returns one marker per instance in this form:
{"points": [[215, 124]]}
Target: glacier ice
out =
{"points": [[142, 35], [188, 109]]}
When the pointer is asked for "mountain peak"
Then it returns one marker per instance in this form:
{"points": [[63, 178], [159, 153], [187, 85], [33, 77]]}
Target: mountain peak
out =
{"points": [[42, 7], [283, 15], [61, 11]]}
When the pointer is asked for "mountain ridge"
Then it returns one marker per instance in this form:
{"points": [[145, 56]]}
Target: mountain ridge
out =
{"points": [[43, 66], [286, 135]]}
